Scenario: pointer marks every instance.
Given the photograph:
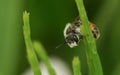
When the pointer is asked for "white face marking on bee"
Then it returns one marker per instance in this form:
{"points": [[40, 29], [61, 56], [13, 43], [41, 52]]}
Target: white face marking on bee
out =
{"points": [[72, 44]]}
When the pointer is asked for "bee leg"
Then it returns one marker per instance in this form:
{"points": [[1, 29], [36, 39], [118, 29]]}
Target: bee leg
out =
{"points": [[81, 36]]}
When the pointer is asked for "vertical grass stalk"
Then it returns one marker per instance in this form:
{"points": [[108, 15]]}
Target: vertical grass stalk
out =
{"points": [[93, 60], [43, 56], [32, 58], [76, 66]]}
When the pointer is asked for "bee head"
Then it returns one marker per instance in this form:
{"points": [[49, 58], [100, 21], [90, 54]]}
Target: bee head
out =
{"points": [[72, 40]]}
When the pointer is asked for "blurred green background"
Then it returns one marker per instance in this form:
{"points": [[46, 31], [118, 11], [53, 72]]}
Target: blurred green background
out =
{"points": [[48, 19]]}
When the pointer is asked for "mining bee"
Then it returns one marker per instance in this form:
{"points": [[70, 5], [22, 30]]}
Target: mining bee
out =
{"points": [[73, 34]]}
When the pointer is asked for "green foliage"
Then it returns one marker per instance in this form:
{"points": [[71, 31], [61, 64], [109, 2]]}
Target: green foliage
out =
{"points": [[32, 47], [32, 58], [43, 56], [76, 66], [93, 60], [48, 20]]}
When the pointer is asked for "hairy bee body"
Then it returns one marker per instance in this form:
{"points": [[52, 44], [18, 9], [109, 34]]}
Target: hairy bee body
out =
{"points": [[73, 35]]}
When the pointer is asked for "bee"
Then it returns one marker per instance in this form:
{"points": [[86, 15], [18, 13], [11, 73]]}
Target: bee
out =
{"points": [[73, 34]]}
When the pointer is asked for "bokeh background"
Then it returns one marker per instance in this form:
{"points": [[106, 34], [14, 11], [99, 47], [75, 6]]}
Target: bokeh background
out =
{"points": [[48, 19]]}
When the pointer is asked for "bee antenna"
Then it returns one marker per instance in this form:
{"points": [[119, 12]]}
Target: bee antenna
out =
{"points": [[61, 45]]}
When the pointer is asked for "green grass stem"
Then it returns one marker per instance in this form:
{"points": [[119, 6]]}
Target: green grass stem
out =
{"points": [[76, 66], [93, 60], [43, 56], [32, 58]]}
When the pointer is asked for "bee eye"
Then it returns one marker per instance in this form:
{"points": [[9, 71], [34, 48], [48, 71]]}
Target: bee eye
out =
{"points": [[75, 38]]}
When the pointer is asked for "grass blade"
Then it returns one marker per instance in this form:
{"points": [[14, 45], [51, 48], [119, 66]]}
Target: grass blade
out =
{"points": [[76, 66], [42, 55], [93, 60], [32, 58]]}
